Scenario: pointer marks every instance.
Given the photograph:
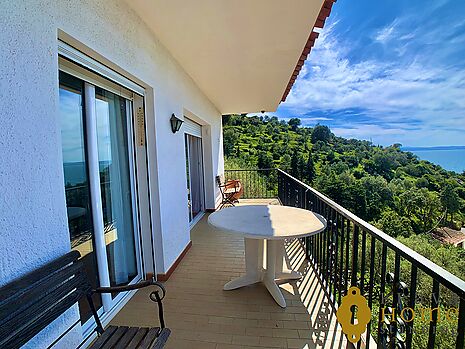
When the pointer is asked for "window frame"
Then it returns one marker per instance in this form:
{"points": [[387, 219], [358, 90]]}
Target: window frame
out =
{"points": [[77, 65]]}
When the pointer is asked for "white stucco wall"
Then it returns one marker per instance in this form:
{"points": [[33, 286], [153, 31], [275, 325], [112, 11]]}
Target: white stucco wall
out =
{"points": [[33, 222]]}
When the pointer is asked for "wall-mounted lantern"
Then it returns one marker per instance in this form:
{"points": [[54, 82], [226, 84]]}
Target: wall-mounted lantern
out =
{"points": [[175, 123]]}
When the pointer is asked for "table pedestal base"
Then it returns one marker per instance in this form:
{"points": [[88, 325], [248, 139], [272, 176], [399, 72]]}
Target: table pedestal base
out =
{"points": [[273, 270]]}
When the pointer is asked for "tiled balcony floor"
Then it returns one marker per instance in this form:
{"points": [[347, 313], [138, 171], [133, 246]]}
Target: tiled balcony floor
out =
{"points": [[202, 315]]}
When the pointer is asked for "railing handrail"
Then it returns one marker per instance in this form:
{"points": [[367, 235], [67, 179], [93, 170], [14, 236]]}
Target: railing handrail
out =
{"points": [[448, 279]]}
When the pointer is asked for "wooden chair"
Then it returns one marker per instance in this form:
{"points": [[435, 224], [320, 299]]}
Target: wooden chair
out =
{"points": [[231, 191], [30, 303]]}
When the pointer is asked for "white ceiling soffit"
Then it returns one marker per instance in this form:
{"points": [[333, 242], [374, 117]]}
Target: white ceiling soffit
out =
{"points": [[241, 53]]}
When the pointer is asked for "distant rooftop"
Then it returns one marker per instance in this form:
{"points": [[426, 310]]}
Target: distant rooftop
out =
{"points": [[449, 236]]}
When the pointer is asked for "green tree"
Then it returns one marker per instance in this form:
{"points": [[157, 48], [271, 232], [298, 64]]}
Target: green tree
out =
{"points": [[297, 164], [309, 170], [450, 201], [294, 123], [265, 160], [422, 182], [378, 195], [393, 224], [230, 138], [421, 206], [321, 133], [330, 156], [286, 162], [382, 163]]}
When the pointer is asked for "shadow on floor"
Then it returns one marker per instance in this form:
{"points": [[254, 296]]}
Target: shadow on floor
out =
{"points": [[202, 315]]}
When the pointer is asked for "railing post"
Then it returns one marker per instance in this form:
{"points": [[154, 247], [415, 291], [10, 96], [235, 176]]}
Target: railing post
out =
{"points": [[434, 314], [371, 285], [336, 273], [341, 285], [347, 234], [460, 341], [413, 294], [353, 280], [396, 300], [382, 335], [363, 262]]}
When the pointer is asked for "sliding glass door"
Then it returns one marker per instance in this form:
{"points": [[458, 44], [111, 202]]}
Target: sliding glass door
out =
{"points": [[77, 186], [113, 153], [194, 170], [98, 162]]}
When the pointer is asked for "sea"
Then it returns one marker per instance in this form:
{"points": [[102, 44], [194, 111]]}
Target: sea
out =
{"points": [[451, 158], [75, 172]]}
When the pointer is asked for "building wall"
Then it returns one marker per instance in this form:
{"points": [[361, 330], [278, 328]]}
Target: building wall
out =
{"points": [[33, 222]]}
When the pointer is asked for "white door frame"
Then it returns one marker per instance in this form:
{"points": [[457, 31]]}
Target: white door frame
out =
{"points": [[138, 176], [95, 193]]}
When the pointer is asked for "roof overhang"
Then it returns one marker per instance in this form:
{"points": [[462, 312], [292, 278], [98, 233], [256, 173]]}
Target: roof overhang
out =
{"points": [[242, 54]]}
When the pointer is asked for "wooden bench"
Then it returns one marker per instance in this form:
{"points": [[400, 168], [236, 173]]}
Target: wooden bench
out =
{"points": [[30, 303]]}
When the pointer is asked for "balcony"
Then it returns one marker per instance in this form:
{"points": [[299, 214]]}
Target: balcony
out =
{"points": [[350, 252]]}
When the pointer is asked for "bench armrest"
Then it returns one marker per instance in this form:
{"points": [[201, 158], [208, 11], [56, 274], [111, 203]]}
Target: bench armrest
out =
{"points": [[154, 296], [125, 288]]}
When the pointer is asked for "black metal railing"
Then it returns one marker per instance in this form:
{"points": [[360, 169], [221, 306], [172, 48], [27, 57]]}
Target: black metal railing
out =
{"points": [[415, 303], [259, 183]]}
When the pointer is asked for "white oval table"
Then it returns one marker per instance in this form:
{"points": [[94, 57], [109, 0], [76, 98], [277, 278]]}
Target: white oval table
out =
{"points": [[273, 224]]}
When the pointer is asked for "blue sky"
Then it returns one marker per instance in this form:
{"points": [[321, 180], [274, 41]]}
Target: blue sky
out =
{"points": [[387, 70]]}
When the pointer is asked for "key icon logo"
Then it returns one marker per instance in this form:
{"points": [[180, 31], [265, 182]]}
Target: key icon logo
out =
{"points": [[353, 314]]}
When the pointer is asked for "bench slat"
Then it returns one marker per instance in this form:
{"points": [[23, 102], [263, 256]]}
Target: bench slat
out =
{"points": [[162, 338], [46, 304], [31, 303], [100, 342], [16, 337], [116, 337], [26, 282], [134, 343], [124, 341], [148, 339], [42, 289]]}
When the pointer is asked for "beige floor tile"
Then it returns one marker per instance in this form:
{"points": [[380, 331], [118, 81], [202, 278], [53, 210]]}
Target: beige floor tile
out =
{"points": [[202, 315], [285, 333], [187, 344], [228, 346], [259, 331], [246, 340], [273, 342]]}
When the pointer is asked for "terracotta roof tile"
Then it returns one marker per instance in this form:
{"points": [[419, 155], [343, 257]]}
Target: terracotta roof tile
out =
{"points": [[320, 22]]}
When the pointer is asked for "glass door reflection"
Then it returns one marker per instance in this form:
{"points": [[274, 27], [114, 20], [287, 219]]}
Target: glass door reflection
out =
{"points": [[194, 172], [76, 180], [117, 201], [99, 168]]}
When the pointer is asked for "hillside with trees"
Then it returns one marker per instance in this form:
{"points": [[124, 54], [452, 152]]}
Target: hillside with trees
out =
{"points": [[402, 195], [386, 186]]}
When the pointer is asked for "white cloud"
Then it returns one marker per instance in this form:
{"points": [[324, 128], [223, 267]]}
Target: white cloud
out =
{"points": [[415, 90], [320, 118], [386, 33]]}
